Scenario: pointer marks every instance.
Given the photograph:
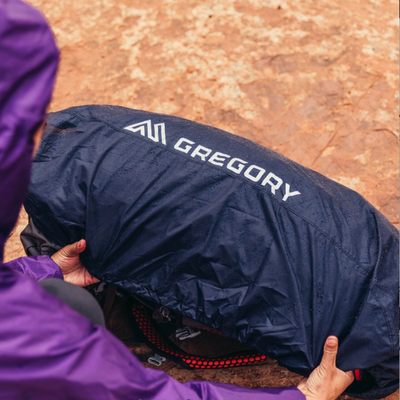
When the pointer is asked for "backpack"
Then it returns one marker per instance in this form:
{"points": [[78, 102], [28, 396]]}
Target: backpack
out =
{"points": [[224, 232]]}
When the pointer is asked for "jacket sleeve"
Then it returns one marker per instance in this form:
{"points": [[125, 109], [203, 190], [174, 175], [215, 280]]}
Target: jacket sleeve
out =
{"points": [[49, 351], [37, 268]]}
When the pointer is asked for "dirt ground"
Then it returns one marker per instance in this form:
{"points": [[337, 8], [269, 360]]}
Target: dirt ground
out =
{"points": [[314, 80]]}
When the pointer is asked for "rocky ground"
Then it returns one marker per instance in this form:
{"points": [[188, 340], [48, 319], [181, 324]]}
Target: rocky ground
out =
{"points": [[314, 80]]}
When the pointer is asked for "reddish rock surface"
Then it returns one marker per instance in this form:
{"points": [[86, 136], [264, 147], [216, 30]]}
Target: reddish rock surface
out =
{"points": [[315, 81]]}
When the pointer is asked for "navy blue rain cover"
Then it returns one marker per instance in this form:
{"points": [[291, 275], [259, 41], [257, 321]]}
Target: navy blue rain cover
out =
{"points": [[225, 232]]}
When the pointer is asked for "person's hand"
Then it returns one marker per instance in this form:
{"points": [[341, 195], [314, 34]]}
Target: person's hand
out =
{"points": [[326, 382], [70, 264]]}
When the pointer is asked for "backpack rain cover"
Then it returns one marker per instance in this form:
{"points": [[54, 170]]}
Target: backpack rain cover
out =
{"points": [[224, 232]]}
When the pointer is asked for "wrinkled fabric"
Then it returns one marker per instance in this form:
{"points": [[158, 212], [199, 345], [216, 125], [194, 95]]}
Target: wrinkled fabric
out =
{"points": [[35, 243], [28, 63], [47, 350], [226, 233], [37, 268]]}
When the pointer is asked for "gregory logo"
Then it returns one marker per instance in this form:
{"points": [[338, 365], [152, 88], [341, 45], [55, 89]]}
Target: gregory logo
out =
{"points": [[155, 132], [252, 172]]}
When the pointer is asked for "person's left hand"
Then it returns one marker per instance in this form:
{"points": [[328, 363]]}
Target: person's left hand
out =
{"points": [[70, 264]]}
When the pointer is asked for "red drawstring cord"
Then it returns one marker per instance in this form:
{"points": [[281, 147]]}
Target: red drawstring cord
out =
{"points": [[143, 321]]}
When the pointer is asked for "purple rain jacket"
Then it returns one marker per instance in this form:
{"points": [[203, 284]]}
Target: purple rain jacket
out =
{"points": [[48, 351]]}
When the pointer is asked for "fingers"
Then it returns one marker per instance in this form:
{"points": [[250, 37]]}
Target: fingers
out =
{"points": [[350, 377], [80, 246], [74, 249], [330, 352], [91, 280]]}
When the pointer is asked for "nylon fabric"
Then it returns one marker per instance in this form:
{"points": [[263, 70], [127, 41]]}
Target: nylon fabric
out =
{"points": [[224, 232]]}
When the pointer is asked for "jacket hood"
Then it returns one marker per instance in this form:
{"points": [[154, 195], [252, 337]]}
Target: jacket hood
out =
{"points": [[29, 59]]}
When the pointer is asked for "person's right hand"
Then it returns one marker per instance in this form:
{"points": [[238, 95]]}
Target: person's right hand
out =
{"points": [[326, 382]]}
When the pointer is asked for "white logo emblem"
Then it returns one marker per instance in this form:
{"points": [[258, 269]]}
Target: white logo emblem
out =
{"points": [[155, 132]]}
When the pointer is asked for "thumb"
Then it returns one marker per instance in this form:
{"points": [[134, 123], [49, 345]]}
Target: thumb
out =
{"points": [[74, 249], [350, 376], [330, 352]]}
